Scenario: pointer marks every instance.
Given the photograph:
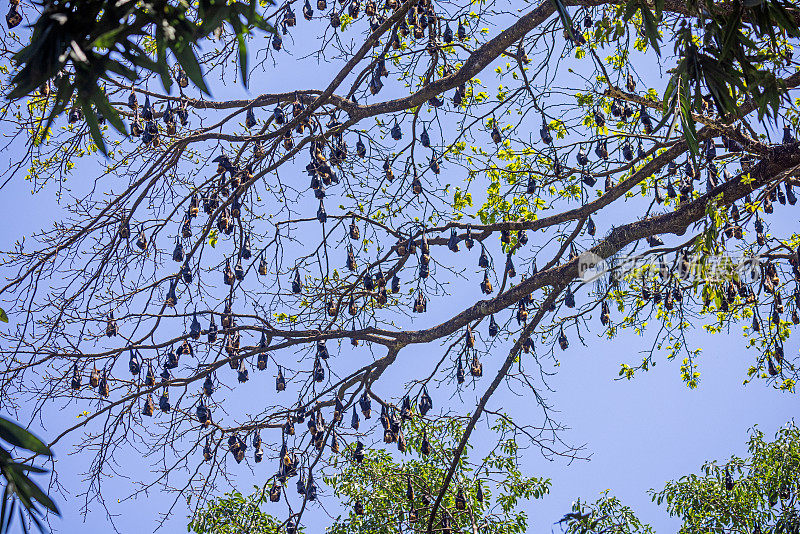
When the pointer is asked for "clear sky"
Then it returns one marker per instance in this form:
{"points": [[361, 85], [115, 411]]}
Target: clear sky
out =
{"points": [[639, 433]]}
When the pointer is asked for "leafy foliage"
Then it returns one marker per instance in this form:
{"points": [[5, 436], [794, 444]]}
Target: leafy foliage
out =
{"points": [[723, 65], [235, 513], [759, 492], [380, 484], [755, 494], [19, 488], [375, 491], [103, 40]]}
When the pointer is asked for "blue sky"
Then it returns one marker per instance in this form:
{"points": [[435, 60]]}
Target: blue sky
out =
{"points": [[639, 433]]}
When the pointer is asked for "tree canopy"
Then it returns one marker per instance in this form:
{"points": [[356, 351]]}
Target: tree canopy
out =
{"points": [[349, 217], [754, 494], [386, 495]]}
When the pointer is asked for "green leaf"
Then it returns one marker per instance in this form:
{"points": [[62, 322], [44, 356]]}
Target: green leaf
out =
{"points": [[161, 60], [109, 112], [243, 58], [107, 39], [139, 58], [3, 316], [564, 15], [31, 490], [122, 70], [729, 34], [185, 56], [20, 437], [687, 121], [4, 527], [651, 29], [94, 127], [630, 9]]}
